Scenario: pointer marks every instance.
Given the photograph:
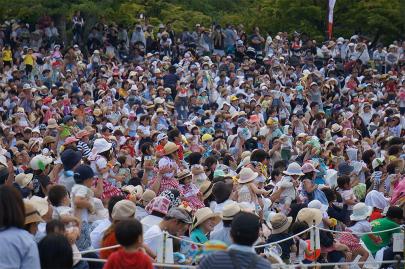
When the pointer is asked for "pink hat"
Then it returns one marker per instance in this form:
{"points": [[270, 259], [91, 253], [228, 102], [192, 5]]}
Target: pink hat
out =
{"points": [[82, 134], [70, 140], [159, 204], [309, 167]]}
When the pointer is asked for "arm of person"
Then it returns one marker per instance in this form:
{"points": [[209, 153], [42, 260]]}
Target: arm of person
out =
{"points": [[309, 186], [156, 183], [256, 190], [82, 202], [99, 189]]}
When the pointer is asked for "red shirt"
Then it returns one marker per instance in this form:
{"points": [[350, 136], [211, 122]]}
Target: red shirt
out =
{"points": [[124, 260], [376, 214], [180, 152], [108, 241]]}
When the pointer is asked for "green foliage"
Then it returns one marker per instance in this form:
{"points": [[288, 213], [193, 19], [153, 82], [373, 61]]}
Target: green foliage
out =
{"points": [[378, 19]]}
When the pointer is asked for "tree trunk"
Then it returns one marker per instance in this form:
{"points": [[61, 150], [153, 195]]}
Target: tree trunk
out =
{"points": [[60, 22]]}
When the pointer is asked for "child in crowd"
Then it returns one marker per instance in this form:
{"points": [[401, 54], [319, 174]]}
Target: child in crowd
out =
{"points": [[129, 235], [82, 201], [197, 170], [189, 190], [346, 192], [359, 218], [304, 254]]}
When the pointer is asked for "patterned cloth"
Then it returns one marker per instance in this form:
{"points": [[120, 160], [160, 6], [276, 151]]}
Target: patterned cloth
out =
{"points": [[159, 204], [109, 190], [350, 240], [174, 197]]}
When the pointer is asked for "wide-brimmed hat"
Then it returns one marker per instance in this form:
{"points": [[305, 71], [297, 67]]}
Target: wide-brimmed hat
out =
{"points": [[280, 223], [230, 210], [361, 212], [336, 128], [310, 215], [133, 190], [206, 189], [23, 179], [70, 158], [31, 213], [247, 175], [204, 214], [293, 169], [52, 124], [170, 147], [318, 205], [345, 169], [159, 204], [41, 204], [101, 145], [309, 167], [183, 174], [70, 140], [48, 139]]}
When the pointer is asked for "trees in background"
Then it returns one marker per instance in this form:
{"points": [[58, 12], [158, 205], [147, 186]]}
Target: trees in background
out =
{"points": [[379, 20]]}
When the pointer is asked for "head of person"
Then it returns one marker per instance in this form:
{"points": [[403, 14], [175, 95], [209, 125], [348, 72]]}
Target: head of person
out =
{"points": [[395, 214], [245, 228], [205, 219], [123, 210], [177, 221], [129, 233], [84, 175], [12, 210], [70, 159], [55, 251], [112, 202], [32, 218]]}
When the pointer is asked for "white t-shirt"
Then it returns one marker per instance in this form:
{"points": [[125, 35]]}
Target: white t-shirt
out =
{"points": [[152, 237], [96, 236], [347, 195], [149, 221], [362, 226], [82, 191]]}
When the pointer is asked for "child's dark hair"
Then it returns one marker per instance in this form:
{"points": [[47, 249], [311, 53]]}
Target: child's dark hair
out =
{"points": [[56, 194], [342, 181], [144, 117], [298, 227], [172, 134], [275, 173], [128, 232], [122, 159], [394, 150], [144, 149], [54, 225], [330, 194], [194, 158]]}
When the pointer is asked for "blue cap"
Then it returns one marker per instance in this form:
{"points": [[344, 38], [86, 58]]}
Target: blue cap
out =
{"points": [[83, 172]]}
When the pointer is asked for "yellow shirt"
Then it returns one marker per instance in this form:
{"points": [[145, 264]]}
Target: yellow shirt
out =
{"points": [[29, 59], [122, 92], [7, 56]]}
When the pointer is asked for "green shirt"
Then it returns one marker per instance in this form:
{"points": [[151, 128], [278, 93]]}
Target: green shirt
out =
{"points": [[198, 236], [380, 225]]}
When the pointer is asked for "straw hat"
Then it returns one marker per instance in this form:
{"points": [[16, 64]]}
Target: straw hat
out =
{"points": [[134, 190], [336, 128], [293, 169], [280, 223], [23, 179], [361, 212], [48, 139], [170, 147], [247, 175], [206, 189], [183, 174], [203, 214], [230, 210], [82, 134], [52, 124], [31, 213], [40, 204], [310, 215]]}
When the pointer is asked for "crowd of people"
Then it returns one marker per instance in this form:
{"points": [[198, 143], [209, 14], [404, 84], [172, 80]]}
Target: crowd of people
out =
{"points": [[217, 139]]}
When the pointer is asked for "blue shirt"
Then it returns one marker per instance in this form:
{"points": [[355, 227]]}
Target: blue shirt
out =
{"points": [[18, 250]]}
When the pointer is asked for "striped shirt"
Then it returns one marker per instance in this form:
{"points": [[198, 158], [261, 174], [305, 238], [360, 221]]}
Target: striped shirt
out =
{"points": [[83, 148], [242, 258]]}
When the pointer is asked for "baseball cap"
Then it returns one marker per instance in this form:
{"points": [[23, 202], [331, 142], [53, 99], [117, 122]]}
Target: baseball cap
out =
{"points": [[83, 172], [180, 215], [160, 137], [123, 210]]}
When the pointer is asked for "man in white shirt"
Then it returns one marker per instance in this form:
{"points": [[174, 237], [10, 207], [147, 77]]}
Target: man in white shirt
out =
{"points": [[176, 222]]}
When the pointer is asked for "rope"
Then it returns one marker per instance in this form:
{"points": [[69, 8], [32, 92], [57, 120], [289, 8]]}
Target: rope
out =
{"points": [[184, 240], [166, 265], [345, 232], [339, 263], [283, 240]]}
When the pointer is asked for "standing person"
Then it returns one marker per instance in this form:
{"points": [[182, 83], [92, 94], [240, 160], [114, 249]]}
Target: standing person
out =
{"points": [[19, 249], [129, 236], [78, 24], [245, 229]]}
